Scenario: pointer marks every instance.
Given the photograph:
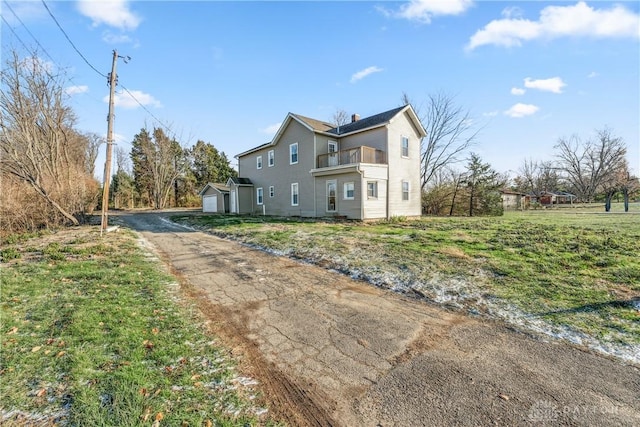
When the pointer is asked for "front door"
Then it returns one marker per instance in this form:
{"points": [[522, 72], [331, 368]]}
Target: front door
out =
{"points": [[333, 153], [332, 187]]}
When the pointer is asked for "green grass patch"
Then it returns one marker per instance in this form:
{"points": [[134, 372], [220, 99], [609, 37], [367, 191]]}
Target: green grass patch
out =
{"points": [[575, 269], [93, 333]]}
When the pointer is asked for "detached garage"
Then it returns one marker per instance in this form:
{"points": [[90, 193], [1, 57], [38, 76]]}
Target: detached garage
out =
{"points": [[215, 198]]}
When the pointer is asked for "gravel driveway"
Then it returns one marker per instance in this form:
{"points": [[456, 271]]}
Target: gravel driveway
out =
{"points": [[329, 350]]}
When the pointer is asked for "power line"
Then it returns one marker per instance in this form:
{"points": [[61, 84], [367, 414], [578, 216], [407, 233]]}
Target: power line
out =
{"points": [[145, 108], [25, 27], [70, 42]]}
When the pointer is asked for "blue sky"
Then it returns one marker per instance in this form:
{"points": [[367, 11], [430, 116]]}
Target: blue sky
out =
{"points": [[229, 72]]}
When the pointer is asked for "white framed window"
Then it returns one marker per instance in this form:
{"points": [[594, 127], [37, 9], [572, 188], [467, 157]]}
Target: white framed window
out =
{"points": [[294, 194], [259, 196], [349, 191], [405, 190], [332, 149], [372, 189], [405, 146], [332, 193], [272, 191], [271, 158], [259, 162], [293, 153]]}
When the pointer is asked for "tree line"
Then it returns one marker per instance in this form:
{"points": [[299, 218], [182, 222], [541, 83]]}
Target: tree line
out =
{"points": [[47, 164], [592, 169]]}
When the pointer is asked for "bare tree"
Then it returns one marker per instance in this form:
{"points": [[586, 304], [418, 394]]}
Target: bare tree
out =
{"points": [[590, 165], [93, 146], [450, 132], [537, 177], [38, 145], [340, 118]]}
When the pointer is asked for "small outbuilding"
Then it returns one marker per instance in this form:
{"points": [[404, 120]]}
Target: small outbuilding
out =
{"points": [[215, 198]]}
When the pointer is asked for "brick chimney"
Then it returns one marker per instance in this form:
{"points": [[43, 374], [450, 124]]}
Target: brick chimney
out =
{"points": [[355, 118]]}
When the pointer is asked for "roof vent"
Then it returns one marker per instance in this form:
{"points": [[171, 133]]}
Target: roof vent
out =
{"points": [[355, 118]]}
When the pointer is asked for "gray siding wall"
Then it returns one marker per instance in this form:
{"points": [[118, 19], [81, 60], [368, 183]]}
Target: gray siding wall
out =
{"points": [[375, 138], [283, 174], [348, 208], [403, 169]]}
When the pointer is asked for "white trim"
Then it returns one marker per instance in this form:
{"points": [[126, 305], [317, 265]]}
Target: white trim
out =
{"points": [[333, 182], [408, 192], [271, 158], [259, 196], [375, 187], [272, 191], [296, 193], [344, 190], [402, 139], [291, 162], [259, 162]]}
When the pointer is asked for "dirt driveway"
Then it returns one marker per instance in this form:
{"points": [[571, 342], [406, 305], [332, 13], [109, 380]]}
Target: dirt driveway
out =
{"points": [[329, 350]]}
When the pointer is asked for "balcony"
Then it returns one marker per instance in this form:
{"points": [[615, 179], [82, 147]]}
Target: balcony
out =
{"points": [[351, 156]]}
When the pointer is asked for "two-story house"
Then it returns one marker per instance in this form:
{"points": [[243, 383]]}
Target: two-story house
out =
{"points": [[366, 169]]}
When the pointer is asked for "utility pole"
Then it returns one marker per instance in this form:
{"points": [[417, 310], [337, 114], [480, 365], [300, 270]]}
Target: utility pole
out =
{"points": [[107, 165]]}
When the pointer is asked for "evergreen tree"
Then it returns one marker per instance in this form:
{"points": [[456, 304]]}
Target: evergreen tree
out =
{"points": [[484, 185]]}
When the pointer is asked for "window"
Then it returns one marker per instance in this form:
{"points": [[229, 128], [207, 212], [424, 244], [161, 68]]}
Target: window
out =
{"points": [[372, 189], [333, 153], [293, 153], [272, 191], [259, 162], [405, 190], [294, 194], [332, 189], [349, 189], [271, 159], [259, 196], [405, 146]]}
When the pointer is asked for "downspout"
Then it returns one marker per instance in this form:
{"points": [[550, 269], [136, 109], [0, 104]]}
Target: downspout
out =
{"points": [[361, 192], [315, 159], [388, 179]]}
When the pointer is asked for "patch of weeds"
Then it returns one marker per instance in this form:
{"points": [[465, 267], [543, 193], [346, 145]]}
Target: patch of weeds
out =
{"points": [[9, 253]]}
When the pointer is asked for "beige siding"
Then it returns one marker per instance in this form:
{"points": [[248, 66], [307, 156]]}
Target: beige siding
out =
{"points": [[210, 191], [403, 169], [351, 209], [375, 138], [375, 208], [283, 174]]}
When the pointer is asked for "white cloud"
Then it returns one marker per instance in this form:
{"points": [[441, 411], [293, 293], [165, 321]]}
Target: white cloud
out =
{"points": [[73, 90], [578, 20], [593, 74], [271, 129], [111, 38], [126, 100], [424, 10], [521, 110], [490, 114], [554, 84], [364, 73], [114, 13], [517, 91]]}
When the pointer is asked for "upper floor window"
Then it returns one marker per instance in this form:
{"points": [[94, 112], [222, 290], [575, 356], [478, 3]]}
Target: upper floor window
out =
{"points": [[293, 153], [294, 194], [349, 190], [271, 158], [405, 190], [372, 189], [259, 196], [405, 146], [259, 162]]}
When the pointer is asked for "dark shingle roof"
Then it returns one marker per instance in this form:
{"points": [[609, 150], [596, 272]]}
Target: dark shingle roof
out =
{"points": [[366, 122], [315, 124], [241, 181]]}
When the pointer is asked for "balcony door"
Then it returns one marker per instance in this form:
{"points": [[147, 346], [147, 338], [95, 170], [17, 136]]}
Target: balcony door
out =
{"points": [[332, 190], [333, 153]]}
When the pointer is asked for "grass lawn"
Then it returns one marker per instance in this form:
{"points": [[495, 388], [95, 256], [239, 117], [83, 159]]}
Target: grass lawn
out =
{"points": [[567, 271], [94, 333]]}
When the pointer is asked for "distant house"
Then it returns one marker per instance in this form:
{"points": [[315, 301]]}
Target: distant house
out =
{"points": [[215, 198], [366, 169], [514, 200], [550, 198]]}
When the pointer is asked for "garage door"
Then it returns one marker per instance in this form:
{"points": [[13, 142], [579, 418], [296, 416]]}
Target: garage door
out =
{"points": [[210, 203]]}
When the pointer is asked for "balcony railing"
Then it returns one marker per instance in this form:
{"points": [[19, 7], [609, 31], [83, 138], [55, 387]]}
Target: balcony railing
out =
{"points": [[353, 155]]}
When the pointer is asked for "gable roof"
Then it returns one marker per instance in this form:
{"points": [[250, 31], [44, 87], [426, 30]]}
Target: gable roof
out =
{"points": [[218, 186], [326, 128], [240, 181]]}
